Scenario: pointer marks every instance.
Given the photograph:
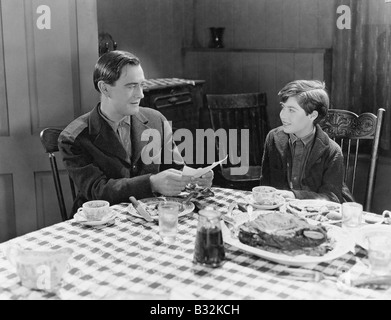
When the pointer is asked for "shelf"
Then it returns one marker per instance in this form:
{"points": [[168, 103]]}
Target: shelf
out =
{"points": [[282, 50]]}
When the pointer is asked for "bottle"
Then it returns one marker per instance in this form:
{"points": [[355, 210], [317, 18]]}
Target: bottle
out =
{"points": [[209, 245]]}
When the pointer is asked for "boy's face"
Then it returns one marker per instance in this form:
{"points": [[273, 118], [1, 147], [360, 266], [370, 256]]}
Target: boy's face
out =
{"points": [[125, 94], [295, 120]]}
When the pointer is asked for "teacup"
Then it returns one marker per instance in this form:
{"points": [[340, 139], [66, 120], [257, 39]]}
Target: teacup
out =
{"points": [[95, 210], [39, 270], [264, 195]]}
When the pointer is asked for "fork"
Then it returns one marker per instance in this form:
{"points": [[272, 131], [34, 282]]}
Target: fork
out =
{"points": [[308, 275]]}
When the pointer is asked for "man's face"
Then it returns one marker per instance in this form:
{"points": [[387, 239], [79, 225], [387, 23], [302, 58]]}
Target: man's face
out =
{"points": [[125, 94], [295, 120]]}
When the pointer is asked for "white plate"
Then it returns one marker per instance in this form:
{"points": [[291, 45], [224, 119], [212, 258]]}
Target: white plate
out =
{"points": [[319, 209], [150, 204], [344, 242], [372, 218], [80, 218], [362, 234], [250, 200]]}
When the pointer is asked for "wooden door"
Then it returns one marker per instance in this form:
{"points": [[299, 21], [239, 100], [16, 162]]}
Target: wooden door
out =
{"points": [[45, 80]]}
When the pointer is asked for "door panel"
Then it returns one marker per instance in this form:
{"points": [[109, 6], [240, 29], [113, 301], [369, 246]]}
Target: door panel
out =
{"points": [[41, 85]]}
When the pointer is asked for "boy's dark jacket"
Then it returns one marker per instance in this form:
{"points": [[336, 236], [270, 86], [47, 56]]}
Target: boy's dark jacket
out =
{"points": [[323, 173]]}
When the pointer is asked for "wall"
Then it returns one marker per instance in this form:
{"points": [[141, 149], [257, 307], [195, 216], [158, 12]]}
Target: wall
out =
{"points": [[297, 30], [45, 81], [157, 30], [151, 29]]}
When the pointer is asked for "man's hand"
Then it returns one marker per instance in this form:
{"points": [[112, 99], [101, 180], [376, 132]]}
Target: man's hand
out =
{"points": [[168, 182], [204, 181], [286, 194]]}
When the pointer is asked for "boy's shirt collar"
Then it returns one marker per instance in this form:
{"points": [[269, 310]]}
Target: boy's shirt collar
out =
{"points": [[307, 139]]}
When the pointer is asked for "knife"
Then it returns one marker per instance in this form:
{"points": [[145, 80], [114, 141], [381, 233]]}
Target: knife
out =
{"points": [[140, 209], [373, 280]]}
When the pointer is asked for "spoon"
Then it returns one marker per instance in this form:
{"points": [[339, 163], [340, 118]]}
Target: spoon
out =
{"points": [[250, 211]]}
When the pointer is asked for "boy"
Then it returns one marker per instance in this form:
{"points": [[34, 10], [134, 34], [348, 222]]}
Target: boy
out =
{"points": [[299, 157]]}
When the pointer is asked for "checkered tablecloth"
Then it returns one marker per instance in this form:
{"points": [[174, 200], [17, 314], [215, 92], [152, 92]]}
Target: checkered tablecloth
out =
{"points": [[129, 257]]}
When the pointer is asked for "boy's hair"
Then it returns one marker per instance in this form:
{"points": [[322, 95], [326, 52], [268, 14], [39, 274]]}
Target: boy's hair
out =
{"points": [[310, 94], [109, 66]]}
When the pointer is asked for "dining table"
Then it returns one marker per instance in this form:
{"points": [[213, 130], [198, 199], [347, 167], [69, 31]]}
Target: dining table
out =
{"points": [[128, 260]]}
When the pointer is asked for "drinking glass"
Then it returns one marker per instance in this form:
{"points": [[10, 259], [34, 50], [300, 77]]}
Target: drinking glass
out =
{"points": [[351, 215], [379, 254], [168, 220]]}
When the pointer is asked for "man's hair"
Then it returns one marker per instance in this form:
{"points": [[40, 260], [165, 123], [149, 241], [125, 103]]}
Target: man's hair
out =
{"points": [[109, 66], [311, 95]]}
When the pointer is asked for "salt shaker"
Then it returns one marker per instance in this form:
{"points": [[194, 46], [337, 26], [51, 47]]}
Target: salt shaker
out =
{"points": [[209, 245]]}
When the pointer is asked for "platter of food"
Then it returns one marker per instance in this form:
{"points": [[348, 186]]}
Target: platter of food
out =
{"points": [[287, 239], [151, 206], [318, 210]]}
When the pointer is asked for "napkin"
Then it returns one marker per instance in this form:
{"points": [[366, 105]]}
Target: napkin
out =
{"points": [[196, 173]]}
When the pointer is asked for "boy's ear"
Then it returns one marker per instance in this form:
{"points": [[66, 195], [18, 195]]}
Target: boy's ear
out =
{"points": [[314, 115]]}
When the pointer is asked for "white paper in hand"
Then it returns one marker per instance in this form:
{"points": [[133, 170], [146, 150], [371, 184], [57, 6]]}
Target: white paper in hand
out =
{"points": [[196, 173]]}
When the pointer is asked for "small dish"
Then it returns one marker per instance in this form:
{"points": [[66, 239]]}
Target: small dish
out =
{"points": [[81, 219], [151, 204], [279, 202]]}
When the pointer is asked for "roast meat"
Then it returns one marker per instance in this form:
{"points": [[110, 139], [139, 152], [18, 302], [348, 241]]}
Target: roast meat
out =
{"points": [[282, 231]]}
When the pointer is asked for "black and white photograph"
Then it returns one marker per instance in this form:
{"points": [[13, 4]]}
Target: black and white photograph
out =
{"points": [[195, 155]]}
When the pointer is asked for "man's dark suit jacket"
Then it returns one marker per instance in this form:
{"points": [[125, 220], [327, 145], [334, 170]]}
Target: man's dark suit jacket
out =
{"points": [[96, 160]]}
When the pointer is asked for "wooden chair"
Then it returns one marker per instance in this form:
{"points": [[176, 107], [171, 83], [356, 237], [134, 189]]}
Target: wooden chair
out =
{"points": [[239, 111], [49, 137], [349, 129]]}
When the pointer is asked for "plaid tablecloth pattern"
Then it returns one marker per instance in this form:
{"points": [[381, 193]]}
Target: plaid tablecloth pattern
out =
{"points": [[129, 257]]}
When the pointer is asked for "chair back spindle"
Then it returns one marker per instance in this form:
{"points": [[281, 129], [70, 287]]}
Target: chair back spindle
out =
{"points": [[49, 138], [351, 131], [237, 112]]}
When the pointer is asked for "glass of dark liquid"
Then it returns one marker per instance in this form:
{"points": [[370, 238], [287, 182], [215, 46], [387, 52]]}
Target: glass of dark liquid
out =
{"points": [[209, 245]]}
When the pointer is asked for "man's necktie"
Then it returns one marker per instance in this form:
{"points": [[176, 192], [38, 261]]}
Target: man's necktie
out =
{"points": [[124, 135]]}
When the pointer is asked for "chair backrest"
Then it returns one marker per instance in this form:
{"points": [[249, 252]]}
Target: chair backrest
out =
{"points": [[241, 111], [49, 137], [349, 129]]}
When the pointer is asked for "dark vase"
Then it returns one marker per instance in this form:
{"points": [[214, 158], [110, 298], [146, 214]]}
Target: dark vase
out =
{"points": [[216, 40]]}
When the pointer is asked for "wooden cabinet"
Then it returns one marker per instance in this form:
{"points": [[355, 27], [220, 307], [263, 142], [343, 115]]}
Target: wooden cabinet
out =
{"points": [[179, 100]]}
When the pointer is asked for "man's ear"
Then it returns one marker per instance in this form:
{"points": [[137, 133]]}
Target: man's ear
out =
{"points": [[103, 88]]}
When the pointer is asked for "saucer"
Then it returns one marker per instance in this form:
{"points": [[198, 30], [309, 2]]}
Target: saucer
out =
{"points": [[279, 202], [80, 218]]}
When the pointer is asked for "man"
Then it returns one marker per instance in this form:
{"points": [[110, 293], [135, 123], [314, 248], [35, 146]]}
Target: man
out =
{"points": [[120, 149], [299, 157]]}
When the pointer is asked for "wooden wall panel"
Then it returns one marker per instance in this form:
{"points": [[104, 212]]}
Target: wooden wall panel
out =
{"points": [[274, 20], [4, 126], [267, 23], [240, 24], [50, 87], [7, 208], [45, 82], [250, 72], [290, 27], [256, 24], [239, 71], [309, 32]]}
